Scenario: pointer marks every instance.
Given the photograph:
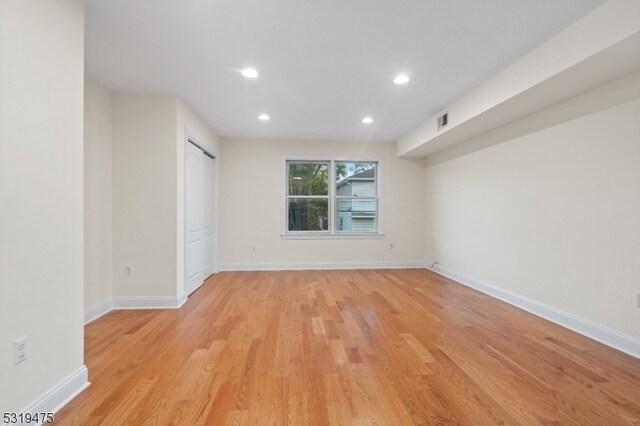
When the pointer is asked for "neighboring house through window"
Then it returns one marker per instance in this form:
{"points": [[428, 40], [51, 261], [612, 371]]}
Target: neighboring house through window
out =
{"points": [[331, 197], [356, 197]]}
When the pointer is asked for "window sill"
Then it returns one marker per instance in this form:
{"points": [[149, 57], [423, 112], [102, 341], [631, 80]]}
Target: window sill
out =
{"points": [[345, 236]]}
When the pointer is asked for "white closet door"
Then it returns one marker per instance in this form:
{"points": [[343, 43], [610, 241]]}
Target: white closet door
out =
{"points": [[207, 219], [194, 212]]}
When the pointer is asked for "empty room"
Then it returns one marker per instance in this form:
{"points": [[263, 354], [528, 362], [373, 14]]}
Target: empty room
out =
{"points": [[338, 212]]}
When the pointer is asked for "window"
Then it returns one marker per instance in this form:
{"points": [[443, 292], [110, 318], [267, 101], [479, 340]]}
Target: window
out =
{"points": [[356, 196], [308, 196], [331, 197]]}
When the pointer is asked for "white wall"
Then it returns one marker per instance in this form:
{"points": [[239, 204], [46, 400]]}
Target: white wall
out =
{"points": [[188, 122], [98, 228], [41, 195], [552, 216], [144, 200], [251, 204], [148, 191], [598, 48]]}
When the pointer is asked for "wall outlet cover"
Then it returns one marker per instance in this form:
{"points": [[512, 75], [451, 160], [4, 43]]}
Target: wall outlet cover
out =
{"points": [[20, 350]]}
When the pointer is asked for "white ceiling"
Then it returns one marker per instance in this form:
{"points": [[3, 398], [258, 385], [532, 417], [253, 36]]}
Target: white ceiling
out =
{"points": [[323, 64]]}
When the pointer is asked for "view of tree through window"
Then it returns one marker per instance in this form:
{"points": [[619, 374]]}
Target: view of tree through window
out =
{"points": [[350, 204], [308, 196]]}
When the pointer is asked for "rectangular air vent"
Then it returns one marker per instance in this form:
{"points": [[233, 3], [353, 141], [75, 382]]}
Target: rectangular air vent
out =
{"points": [[443, 120]]}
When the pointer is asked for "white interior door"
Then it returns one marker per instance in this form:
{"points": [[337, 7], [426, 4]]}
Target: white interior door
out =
{"points": [[194, 213], [208, 216]]}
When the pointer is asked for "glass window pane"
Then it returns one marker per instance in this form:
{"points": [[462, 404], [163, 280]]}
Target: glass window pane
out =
{"points": [[354, 179], [308, 214], [308, 178], [356, 215]]}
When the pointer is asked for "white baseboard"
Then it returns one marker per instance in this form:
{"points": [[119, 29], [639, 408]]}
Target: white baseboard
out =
{"points": [[592, 330], [182, 298], [96, 311], [134, 302], [339, 265], [61, 394], [148, 302]]}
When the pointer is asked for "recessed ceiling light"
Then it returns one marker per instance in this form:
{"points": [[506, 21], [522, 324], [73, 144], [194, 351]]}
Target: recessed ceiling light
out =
{"points": [[264, 117], [367, 120], [401, 79], [249, 73]]}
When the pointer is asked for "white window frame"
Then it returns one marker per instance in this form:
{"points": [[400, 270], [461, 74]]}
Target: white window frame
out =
{"points": [[332, 232]]}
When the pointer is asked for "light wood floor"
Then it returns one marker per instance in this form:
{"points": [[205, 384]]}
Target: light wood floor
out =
{"points": [[389, 347]]}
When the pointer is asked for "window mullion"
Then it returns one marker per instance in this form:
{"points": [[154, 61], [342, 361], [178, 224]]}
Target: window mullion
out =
{"points": [[332, 194]]}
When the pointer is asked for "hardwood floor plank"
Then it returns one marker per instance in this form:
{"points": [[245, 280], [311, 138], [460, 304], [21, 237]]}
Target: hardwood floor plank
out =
{"points": [[298, 409], [415, 344], [347, 347], [238, 418], [223, 404]]}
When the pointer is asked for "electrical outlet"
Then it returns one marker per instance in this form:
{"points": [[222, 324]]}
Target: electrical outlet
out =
{"points": [[128, 271], [253, 247], [391, 246], [20, 350]]}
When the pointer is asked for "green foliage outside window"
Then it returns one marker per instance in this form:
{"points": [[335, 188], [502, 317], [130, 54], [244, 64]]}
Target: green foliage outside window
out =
{"points": [[308, 179]]}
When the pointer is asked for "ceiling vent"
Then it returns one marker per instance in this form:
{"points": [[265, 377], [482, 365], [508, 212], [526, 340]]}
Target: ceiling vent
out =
{"points": [[443, 120]]}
